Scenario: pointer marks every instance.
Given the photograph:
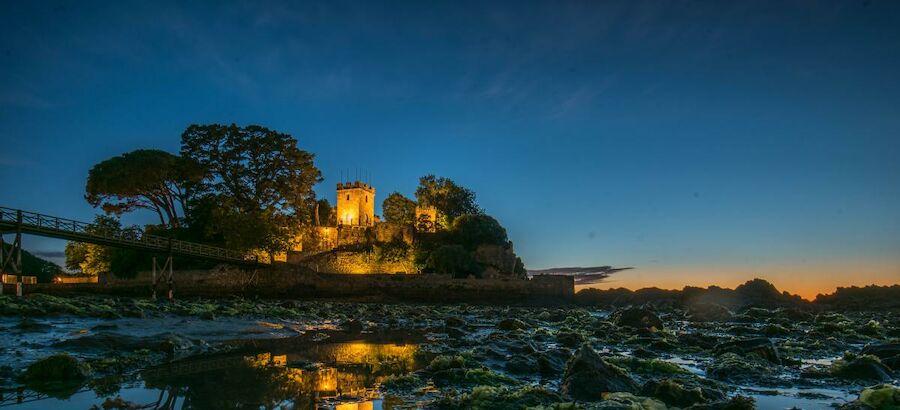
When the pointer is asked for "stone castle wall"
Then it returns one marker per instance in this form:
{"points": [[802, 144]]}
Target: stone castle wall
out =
{"points": [[300, 284]]}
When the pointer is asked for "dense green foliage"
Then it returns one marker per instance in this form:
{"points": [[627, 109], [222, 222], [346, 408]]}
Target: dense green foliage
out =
{"points": [[142, 179], [256, 183], [91, 259], [399, 209], [470, 231], [453, 259], [450, 200]]}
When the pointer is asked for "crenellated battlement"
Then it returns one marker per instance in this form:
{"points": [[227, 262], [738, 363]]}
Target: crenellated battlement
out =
{"points": [[355, 185]]}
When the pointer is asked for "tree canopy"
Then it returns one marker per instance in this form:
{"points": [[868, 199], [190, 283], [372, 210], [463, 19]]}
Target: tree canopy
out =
{"points": [[470, 231], [399, 209], [258, 181], [450, 200], [145, 178]]}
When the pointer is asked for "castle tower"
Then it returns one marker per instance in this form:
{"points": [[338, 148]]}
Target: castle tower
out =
{"points": [[355, 204]]}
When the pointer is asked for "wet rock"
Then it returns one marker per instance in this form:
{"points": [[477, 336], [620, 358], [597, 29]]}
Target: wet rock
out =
{"points": [[759, 346], [697, 340], [882, 396], [520, 364], [511, 324], [57, 368], [862, 367], [502, 398], [569, 339], [643, 353], [401, 383], [638, 318], [553, 362], [455, 333], [588, 376], [708, 312], [673, 393], [736, 368], [735, 403], [624, 401], [888, 353], [775, 330], [454, 321]]}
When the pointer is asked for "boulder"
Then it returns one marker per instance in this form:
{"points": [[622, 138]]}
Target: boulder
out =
{"points": [[758, 346], [673, 393], [882, 396], [888, 353], [57, 368], [511, 324], [638, 318], [588, 377], [864, 368]]}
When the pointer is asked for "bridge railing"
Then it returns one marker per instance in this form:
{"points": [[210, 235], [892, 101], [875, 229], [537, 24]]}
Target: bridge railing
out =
{"points": [[136, 237]]}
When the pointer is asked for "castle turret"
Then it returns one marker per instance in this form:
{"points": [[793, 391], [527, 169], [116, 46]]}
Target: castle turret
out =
{"points": [[355, 204]]}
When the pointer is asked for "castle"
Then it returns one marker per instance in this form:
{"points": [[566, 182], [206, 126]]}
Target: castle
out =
{"points": [[355, 204], [355, 240], [348, 241]]}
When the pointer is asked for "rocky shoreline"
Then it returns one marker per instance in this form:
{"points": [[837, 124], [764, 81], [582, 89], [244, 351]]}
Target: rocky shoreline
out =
{"points": [[738, 353]]}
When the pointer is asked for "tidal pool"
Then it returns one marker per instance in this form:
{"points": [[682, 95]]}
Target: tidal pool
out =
{"points": [[295, 372]]}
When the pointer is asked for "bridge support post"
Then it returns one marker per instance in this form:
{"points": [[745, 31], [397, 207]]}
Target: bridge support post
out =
{"points": [[161, 273], [12, 262]]}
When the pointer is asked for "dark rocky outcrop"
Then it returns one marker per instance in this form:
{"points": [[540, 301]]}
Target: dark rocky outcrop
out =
{"points": [[888, 353], [758, 346], [638, 318], [588, 376], [56, 368]]}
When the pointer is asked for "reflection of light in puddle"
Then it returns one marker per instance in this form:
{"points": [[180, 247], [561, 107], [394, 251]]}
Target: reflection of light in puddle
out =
{"points": [[366, 405], [827, 361], [811, 398]]}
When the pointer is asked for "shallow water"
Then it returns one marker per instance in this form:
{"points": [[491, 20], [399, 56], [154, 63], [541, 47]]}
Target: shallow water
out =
{"points": [[241, 362], [289, 372]]}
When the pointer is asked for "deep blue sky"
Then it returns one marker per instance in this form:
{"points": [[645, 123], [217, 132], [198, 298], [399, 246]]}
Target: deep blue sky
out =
{"points": [[689, 136]]}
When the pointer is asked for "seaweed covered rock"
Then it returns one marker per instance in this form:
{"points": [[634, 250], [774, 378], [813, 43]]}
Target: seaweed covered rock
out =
{"points": [[501, 398], [735, 403], [57, 368], [511, 324], [638, 318], [588, 376], [708, 312], [448, 370], [861, 367], [623, 401], [736, 368], [882, 396], [888, 353], [673, 393], [758, 346]]}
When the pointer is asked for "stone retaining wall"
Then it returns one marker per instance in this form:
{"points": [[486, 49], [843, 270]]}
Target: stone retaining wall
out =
{"points": [[291, 283]]}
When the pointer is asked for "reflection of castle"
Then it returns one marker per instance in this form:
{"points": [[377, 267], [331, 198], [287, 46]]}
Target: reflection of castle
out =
{"points": [[345, 375]]}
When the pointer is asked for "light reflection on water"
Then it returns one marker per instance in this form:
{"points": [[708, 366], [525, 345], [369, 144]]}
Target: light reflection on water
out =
{"points": [[342, 375]]}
